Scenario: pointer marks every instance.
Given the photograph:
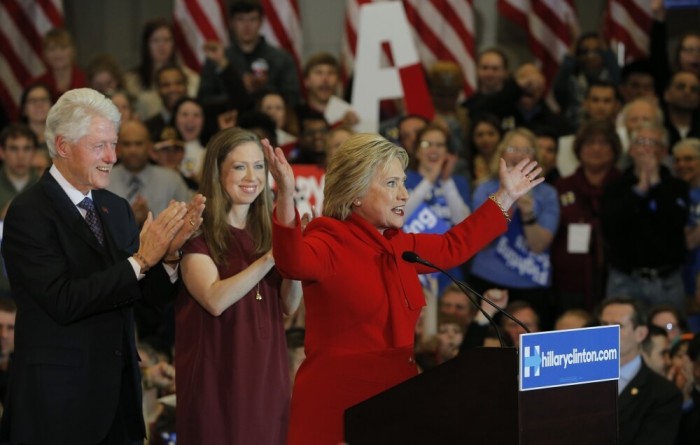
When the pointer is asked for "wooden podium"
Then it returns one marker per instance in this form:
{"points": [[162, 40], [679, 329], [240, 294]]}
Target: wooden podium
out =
{"points": [[474, 399]]}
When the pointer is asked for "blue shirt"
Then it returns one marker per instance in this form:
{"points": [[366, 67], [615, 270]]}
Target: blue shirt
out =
{"points": [[489, 265]]}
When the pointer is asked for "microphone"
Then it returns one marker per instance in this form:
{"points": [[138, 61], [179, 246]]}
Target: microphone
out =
{"points": [[412, 257]]}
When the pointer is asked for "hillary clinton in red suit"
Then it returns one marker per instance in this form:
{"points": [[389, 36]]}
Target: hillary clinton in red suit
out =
{"points": [[362, 299]]}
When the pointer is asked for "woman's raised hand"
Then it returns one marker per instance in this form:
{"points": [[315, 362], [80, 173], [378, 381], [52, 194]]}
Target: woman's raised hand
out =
{"points": [[517, 181], [279, 168]]}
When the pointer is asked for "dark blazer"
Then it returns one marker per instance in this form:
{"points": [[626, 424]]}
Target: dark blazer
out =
{"points": [[649, 410], [74, 338]]}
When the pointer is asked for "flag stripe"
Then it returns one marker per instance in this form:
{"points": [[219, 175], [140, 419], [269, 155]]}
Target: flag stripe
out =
{"points": [[188, 57], [14, 62], [24, 25], [195, 22], [53, 10], [549, 25], [629, 23], [201, 20], [282, 27]]}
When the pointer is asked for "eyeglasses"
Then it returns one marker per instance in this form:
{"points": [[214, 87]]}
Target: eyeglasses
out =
{"points": [[38, 100], [686, 158], [315, 132], [691, 49], [684, 86], [589, 52], [520, 150], [647, 142], [426, 144]]}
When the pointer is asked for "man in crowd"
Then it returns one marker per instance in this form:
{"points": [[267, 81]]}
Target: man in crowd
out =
{"points": [[649, 406], [250, 61], [8, 312], [171, 83], [17, 149], [643, 215], [682, 110], [147, 187]]}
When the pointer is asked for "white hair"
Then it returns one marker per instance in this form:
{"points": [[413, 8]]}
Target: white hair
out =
{"points": [[693, 143], [643, 99], [72, 115]]}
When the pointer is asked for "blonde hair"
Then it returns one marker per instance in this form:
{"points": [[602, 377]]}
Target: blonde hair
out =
{"points": [[215, 227], [505, 142], [352, 168]]}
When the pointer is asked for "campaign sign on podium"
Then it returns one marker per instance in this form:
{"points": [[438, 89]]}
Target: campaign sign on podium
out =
{"points": [[571, 357]]}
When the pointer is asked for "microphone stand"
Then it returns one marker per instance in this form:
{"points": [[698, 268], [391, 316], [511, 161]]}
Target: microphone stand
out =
{"points": [[412, 257]]}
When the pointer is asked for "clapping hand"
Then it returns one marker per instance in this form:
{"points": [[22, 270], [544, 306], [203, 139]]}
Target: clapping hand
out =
{"points": [[193, 219]]}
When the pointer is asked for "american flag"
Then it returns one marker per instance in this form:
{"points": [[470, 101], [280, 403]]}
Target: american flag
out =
{"points": [[196, 22], [627, 26], [443, 30], [551, 26], [23, 24], [282, 28]]}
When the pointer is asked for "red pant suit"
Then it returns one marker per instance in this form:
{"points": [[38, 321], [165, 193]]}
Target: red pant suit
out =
{"points": [[362, 301]]}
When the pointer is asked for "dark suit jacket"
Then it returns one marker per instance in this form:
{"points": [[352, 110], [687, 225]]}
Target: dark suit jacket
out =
{"points": [[74, 338], [649, 410]]}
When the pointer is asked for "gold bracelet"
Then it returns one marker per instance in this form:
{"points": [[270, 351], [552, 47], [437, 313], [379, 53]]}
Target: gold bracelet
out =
{"points": [[493, 198], [142, 262], [170, 262]]}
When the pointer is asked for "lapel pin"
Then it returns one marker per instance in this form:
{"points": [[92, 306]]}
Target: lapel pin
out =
{"points": [[105, 210], [634, 391]]}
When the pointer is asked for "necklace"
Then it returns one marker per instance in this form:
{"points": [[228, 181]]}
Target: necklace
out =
{"points": [[258, 296]]}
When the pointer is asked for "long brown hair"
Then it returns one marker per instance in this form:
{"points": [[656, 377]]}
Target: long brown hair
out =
{"points": [[215, 227]]}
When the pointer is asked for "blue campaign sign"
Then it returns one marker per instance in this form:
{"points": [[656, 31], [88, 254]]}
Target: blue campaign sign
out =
{"points": [[571, 357], [677, 4], [424, 220]]}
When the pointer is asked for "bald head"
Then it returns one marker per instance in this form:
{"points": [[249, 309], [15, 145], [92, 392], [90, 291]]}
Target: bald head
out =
{"points": [[133, 146]]}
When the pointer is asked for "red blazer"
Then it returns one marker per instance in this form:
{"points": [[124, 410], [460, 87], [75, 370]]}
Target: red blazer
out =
{"points": [[362, 301]]}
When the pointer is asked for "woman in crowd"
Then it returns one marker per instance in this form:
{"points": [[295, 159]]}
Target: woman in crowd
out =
{"points": [[188, 120], [34, 107], [59, 53], [578, 257], [485, 134], [519, 260], [157, 51], [125, 103], [434, 186], [232, 372], [362, 299], [273, 104], [104, 74]]}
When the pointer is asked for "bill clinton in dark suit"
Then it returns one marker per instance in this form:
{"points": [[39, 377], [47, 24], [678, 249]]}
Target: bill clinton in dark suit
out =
{"points": [[76, 266]]}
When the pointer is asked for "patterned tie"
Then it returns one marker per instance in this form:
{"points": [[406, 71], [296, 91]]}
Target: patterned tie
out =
{"points": [[92, 220], [134, 188]]}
